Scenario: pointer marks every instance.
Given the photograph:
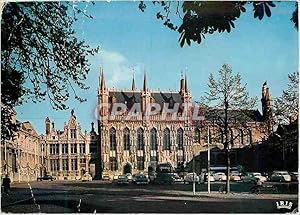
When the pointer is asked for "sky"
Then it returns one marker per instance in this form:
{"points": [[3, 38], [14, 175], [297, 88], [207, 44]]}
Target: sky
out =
{"points": [[134, 42]]}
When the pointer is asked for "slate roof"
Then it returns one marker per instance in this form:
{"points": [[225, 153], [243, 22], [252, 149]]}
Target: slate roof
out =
{"points": [[251, 115]]}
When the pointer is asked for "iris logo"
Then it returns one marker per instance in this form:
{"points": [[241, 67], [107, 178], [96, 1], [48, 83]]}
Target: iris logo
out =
{"points": [[284, 205]]}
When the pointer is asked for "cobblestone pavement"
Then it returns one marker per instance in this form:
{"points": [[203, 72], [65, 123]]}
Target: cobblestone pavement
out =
{"points": [[96, 196]]}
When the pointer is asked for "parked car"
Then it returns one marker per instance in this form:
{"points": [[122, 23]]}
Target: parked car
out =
{"points": [[129, 176], [86, 177], [235, 176], [280, 176], [46, 178], [191, 177], [106, 178], [122, 179], [211, 177], [115, 178], [253, 176], [294, 176], [164, 178], [141, 179], [177, 179], [219, 176]]}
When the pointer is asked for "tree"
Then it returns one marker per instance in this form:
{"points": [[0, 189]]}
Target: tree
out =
{"points": [[40, 56], [199, 18], [286, 106], [230, 106]]}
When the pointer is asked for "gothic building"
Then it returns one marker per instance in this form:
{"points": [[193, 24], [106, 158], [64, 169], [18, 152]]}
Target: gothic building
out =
{"points": [[70, 152], [140, 143]]}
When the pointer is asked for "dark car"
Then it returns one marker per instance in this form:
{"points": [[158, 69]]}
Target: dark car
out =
{"points": [[164, 178], [141, 179], [45, 178]]}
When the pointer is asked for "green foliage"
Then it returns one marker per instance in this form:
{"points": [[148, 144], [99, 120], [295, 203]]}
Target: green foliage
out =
{"points": [[40, 54], [199, 18]]}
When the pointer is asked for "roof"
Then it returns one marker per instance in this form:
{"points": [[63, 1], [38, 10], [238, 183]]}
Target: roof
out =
{"points": [[251, 115]]}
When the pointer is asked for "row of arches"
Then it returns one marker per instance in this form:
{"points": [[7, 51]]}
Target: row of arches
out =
{"points": [[140, 140]]}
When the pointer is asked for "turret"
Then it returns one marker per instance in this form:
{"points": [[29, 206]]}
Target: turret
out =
{"points": [[48, 125], [266, 103], [146, 96]]}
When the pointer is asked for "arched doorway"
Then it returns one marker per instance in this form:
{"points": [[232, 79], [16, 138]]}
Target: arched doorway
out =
{"points": [[127, 168]]}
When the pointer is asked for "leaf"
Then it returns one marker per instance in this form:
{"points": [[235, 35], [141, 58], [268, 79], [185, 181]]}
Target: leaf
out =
{"points": [[267, 10]]}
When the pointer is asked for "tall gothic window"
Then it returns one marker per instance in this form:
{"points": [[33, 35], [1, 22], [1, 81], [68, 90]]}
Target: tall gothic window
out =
{"points": [[140, 163], [140, 139], [73, 133], [113, 164], [126, 139], [249, 136], [221, 136], [166, 139], [197, 135], [231, 137], [242, 137], [153, 139], [180, 138], [112, 139]]}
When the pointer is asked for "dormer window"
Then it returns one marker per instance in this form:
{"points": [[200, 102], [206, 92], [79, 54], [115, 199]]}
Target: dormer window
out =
{"points": [[73, 133]]}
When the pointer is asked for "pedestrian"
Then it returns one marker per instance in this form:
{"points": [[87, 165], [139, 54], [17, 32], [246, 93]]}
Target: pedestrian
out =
{"points": [[6, 184]]}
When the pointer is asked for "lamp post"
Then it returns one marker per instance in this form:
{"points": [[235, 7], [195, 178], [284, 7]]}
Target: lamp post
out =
{"points": [[208, 161]]}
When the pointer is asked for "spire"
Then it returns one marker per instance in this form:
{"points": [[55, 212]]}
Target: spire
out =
{"points": [[185, 84], [145, 82], [102, 83], [181, 83], [264, 87], [133, 83]]}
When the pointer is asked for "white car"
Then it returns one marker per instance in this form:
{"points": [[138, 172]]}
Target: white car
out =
{"points": [[191, 177], [86, 177], [220, 176], [211, 177]]}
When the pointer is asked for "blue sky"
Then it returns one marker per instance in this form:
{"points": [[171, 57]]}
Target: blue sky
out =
{"points": [[134, 41]]}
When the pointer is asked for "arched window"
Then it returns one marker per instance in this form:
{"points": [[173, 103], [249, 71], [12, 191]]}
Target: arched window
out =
{"points": [[249, 136], [166, 140], [241, 137], [153, 139], [112, 139], [126, 139], [140, 139], [231, 136], [197, 135], [221, 136], [180, 138]]}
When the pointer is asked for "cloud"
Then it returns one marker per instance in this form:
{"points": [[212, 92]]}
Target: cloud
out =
{"points": [[118, 69]]}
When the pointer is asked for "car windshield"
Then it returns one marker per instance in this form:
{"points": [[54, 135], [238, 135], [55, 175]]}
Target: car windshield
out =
{"points": [[257, 174]]}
